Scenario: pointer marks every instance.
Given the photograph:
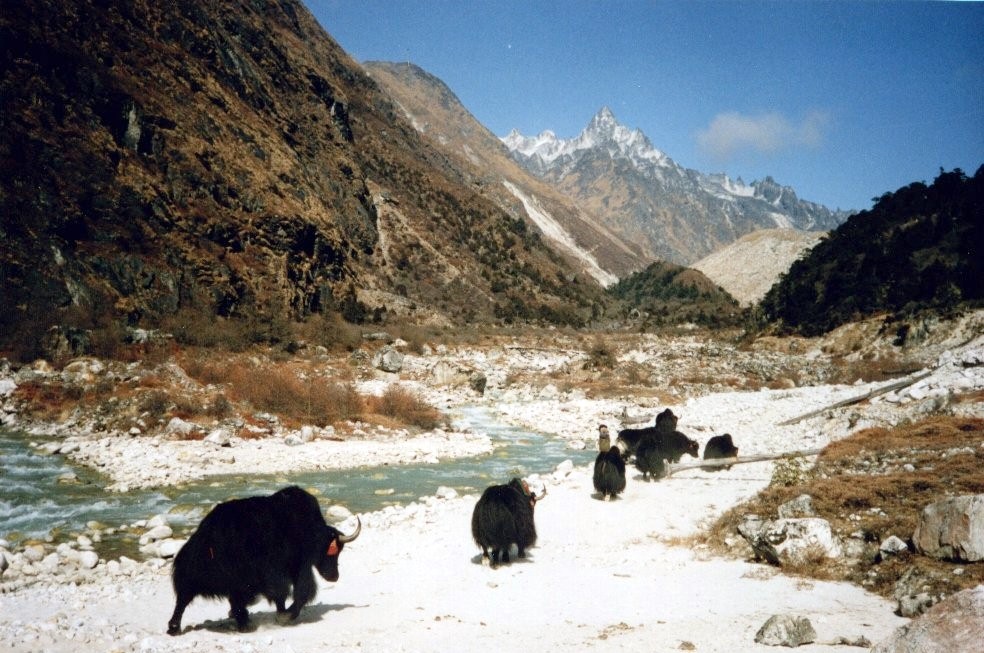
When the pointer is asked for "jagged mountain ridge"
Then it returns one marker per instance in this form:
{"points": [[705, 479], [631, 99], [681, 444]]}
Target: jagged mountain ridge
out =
{"points": [[434, 110], [680, 214], [229, 158]]}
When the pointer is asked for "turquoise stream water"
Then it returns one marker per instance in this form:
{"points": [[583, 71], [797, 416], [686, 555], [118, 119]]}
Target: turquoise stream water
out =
{"points": [[33, 503]]}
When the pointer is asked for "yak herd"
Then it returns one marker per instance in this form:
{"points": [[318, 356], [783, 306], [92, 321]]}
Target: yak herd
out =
{"points": [[269, 546], [653, 448]]}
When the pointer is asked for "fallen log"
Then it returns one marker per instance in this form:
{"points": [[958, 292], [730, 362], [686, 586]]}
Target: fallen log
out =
{"points": [[859, 398], [722, 462]]}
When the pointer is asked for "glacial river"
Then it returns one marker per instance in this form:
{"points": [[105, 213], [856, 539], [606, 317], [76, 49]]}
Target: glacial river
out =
{"points": [[33, 503]]}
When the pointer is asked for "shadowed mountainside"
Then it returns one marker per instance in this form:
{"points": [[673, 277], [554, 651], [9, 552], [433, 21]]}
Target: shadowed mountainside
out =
{"points": [[229, 159]]}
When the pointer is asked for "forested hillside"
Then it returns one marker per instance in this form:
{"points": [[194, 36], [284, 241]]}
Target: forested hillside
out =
{"points": [[917, 248], [667, 293]]}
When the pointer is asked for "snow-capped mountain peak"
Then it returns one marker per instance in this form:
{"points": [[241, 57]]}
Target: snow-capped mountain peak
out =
{"points": [[684, 213], [604, 131]]}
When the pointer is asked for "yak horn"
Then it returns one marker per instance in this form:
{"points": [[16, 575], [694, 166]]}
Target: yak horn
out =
{"points": [[544, 493], [345, 539]]}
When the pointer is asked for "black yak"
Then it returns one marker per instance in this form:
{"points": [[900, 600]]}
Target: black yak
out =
{"points": [[609, 473], [674, 444], [504, 516], [628, 439], [657, 448], [720, 446], [265, 545], [650, 458]]}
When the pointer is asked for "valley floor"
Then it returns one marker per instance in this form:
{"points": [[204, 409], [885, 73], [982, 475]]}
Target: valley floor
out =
{"points": [[605, 575]]}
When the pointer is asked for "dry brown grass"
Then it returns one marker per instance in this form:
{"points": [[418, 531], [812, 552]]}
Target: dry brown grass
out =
{"points": [[298, 394], [861, 485], [402, 405]]}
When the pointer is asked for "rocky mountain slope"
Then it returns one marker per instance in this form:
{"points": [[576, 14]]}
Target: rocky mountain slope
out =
{"points": [[230, 159], [640, 193], [748, 267], [438, 114]]}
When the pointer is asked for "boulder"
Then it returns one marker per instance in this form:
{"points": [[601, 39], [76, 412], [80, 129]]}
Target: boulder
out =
{"points": [[450, 373], [388, 359], [219, 438], [180, 427], [786, 630], [955, 624], [88, 559], [952, 529], [793, 541], [801, 506], [170, 547], [912, 593], [892, 545]]}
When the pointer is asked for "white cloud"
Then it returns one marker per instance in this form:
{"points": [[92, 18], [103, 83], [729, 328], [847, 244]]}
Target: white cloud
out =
{"points": [[731, 131]]}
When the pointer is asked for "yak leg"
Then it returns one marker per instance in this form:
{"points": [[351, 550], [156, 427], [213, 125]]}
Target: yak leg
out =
{"points": [[304, 590], [238, 611], [279, 588], [174, 625]]}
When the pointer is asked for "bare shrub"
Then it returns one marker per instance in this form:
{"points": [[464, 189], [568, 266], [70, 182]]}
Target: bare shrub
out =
{"points": [[155, 403], [600, 355], [281, 391], [401, 404], [330, 331]]}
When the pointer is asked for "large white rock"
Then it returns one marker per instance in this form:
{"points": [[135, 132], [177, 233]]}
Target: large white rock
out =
{"points": [[795, 541], [88, 559], [952, 529], [169, 548]]}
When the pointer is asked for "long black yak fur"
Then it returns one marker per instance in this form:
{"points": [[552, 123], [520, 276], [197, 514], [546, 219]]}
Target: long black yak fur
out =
{"points": [[720, 446], [609, 473], [650, 459], [257, 546], [504, 516], [629, 439]]}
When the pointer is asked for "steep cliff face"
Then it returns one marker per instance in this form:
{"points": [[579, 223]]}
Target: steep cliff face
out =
{"points": [[229, 157]]}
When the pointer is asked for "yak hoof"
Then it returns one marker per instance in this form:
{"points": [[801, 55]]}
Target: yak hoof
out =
{"points": [[173, 629]]}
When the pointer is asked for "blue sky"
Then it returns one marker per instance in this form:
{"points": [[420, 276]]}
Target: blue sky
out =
{"points": [[843, 101]]}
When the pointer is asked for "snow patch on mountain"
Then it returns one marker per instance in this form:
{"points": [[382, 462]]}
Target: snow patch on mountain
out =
{"points": [[555, 232]]}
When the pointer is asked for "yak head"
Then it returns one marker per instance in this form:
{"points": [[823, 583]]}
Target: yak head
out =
{"points": [[693, 448], [521, 486], [666, 421], [327, 562]]}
